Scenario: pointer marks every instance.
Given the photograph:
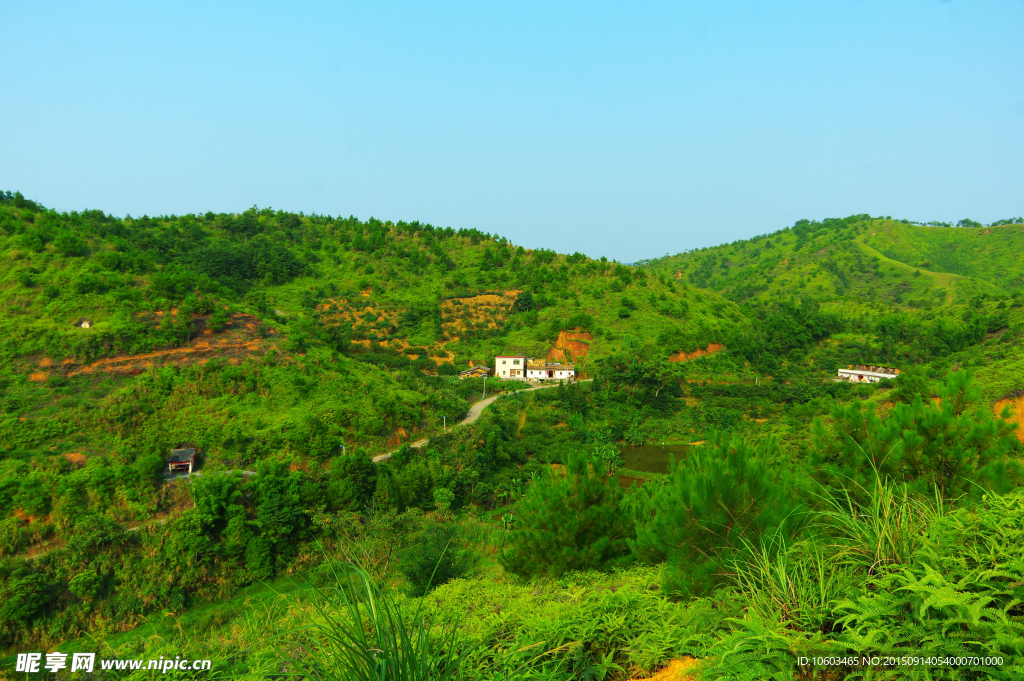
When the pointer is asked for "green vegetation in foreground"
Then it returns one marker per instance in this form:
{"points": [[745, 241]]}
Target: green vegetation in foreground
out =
{"points": [[816, 518]]}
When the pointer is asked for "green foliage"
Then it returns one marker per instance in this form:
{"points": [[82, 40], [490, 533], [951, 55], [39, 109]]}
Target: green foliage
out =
{"points": [[337, 307], [362, 634], [434, 556], [721, 498], [569, 520], [910, 384], [352, 482], [960, 596], [951, 445]]}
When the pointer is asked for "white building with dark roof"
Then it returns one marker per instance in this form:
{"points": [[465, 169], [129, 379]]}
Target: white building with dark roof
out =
{"points": [[523, 368], [866, 373]]}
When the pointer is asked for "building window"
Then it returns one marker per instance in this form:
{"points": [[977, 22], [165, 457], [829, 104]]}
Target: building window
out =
{"points": [[515, 361], [502, 361]]}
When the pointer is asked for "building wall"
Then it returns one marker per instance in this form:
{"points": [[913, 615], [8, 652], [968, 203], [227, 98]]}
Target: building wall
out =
{"points": [[854, 376], [511, 368]]}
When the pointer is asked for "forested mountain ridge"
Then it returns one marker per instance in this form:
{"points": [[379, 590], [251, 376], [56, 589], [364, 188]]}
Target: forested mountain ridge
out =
{"points": [[874, 273], [338, 330], [870, 260], [64, 267]]}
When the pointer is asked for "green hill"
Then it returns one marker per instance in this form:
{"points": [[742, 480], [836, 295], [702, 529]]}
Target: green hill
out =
{"points": [[871, 261], [268, 332], [463, 294], [994, 254], [295, 347], [873, 273]]}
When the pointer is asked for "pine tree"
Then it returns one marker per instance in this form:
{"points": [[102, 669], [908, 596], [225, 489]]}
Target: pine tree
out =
{"points": [[722, 497], [951, 445], [569, 520]]}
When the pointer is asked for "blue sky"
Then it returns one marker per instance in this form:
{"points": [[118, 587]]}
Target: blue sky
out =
{"points": [[628, 130]]}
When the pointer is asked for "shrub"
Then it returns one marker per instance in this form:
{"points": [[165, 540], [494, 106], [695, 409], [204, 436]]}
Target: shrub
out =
{"points": [[569, 521], [722, 498], [70, 244], [218, 321], [434, 556]]}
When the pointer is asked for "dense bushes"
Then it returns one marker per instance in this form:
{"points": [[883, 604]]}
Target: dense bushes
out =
{"points": [[435, 555], [570, 519], [728, 495], [952, 445]]}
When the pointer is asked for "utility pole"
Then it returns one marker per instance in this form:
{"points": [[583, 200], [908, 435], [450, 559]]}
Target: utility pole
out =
{"points": [[445, 422], [485, 387]]}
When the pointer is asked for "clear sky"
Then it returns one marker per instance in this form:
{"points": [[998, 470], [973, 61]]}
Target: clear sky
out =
{"points": [[628, 129]]}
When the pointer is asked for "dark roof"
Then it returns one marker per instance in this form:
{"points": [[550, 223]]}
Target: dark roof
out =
{"points": [[181, 455]]}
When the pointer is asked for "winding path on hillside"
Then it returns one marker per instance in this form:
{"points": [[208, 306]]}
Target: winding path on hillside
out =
{"points": [[475, 410], [471, 416]]}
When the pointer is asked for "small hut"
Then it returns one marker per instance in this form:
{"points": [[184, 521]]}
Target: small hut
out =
{"points": [[181, 460], [84, 323], [475, 372]]}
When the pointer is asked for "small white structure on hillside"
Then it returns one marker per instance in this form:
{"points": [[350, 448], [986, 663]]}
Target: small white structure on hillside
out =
{"points": [[510, 366], [523, 368], [865, 373], [539, 370]]}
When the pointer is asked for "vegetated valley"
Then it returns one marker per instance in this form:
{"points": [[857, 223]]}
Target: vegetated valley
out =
{"points": [[798, 517]]}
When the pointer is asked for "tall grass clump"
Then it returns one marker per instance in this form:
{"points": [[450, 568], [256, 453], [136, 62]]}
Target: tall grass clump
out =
{"points": [[797, 584], [880, 525], [362, 634]]}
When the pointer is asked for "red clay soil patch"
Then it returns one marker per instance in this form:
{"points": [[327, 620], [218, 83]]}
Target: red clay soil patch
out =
{"points": [[485, 311], [682, 356], [75, 458], [21, 515], [238, 342], [397, 438], [199, 353], [677, 670], [576, 342], [1016, 405]]}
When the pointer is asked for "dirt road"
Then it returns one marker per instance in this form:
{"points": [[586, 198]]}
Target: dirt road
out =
{"points": [[472, 415]]}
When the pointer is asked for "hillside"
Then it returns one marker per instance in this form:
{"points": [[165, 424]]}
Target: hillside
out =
{"points": [[296, 347], [872, 261], [914, 293], [393, 306]]}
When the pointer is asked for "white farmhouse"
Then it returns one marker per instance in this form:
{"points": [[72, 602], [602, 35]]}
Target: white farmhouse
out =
{"points": [[523, 368], [511, 367], [865, 373], [538, 370]]}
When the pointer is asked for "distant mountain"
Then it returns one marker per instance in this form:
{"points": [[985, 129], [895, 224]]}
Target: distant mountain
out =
{"points": [[860, 259]]}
